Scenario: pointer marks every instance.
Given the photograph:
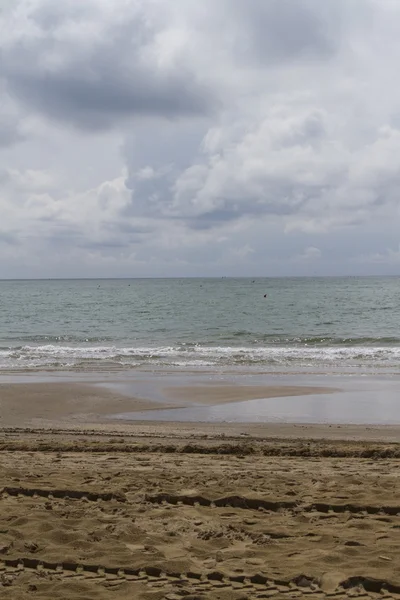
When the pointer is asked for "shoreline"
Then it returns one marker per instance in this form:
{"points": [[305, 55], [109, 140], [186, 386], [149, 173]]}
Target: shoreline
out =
{"points": [[139, 431]]}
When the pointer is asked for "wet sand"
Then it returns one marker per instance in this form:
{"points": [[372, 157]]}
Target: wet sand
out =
{"points": [[224, 393], [170, 397], [97, 509], [34, 404]]}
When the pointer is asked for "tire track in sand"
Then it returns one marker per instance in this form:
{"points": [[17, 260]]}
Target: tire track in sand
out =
{"points": [[259, 585], [64, 494], [246, 503]]}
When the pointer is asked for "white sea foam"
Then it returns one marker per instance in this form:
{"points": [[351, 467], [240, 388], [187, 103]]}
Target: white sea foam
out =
{"points": [[196, 355]]}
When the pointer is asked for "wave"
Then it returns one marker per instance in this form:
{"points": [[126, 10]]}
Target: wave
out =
{"points": [[56, 339], [55, 355], [230, 338], [314, 340]]}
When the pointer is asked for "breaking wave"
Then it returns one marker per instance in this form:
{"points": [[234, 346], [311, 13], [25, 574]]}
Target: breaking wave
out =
{"points": [[307, 354]]}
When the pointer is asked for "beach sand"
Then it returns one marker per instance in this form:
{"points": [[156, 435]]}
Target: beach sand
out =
{"points": [[38, 404], [26, 404], [224, 393], [93, 509]]}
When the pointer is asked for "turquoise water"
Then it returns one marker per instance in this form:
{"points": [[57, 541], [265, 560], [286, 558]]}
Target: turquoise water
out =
{"points": [[304, 323]]}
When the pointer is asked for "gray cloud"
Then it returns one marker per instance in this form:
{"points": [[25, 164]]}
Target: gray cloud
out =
{"points": [[8, 237], [9, 134], [11, 121], [268, 170], [92, 67], [103, 70], [279, 31]]}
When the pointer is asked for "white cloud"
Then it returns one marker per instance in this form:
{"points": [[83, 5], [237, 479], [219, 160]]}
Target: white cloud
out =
{"points": [[30, 207], [243, 252], [388, 257], [310, 254]]}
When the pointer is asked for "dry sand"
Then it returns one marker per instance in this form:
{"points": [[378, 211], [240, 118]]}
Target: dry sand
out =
{"points": [[154, 512]]}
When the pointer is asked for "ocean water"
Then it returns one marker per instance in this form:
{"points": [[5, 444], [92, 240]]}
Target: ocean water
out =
{"points": [[311, 324]]}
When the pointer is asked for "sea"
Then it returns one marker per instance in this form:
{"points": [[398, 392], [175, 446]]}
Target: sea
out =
{"points": [[281, 325]]}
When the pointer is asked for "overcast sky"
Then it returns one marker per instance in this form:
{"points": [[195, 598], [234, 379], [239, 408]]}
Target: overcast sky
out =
{"points": [[187, 137]]}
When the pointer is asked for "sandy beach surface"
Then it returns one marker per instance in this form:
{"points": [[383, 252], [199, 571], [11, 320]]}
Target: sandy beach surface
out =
{"points": [[46, 403], [92, 508]]}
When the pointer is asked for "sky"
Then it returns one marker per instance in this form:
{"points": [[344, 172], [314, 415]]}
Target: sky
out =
{"points": [[214, 138]]}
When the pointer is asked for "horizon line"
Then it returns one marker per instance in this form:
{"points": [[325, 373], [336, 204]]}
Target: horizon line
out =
{"points": [[394, 275]]}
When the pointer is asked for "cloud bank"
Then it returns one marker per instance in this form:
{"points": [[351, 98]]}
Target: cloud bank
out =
{"points": [[187, 138]]}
